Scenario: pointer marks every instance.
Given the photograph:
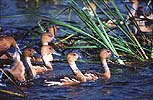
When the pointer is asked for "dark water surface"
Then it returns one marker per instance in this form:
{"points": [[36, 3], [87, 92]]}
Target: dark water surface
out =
{"points": [[125, 84]]}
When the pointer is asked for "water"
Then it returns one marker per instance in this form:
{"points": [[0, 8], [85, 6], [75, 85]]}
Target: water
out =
{"points": [[125, 84]]}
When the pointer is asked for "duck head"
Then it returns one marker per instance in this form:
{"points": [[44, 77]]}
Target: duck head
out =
{"points": [[46, 38], [72, 57], [89, 9]]}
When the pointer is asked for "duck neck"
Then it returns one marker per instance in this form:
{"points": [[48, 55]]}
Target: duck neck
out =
{"points": [[46, 61], [105, 65], [76, 71], [134, 7], [107, 73], [16, 55], [45, 43], [28, 59]]}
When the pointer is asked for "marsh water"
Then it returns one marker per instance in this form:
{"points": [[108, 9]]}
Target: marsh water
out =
{"points": [[125, 84]]}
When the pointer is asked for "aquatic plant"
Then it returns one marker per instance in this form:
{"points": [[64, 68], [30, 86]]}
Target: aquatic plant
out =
{"points": [[90, 35]]}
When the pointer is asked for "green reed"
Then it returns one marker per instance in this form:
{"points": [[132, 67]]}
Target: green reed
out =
{"points": [[90, 35]]}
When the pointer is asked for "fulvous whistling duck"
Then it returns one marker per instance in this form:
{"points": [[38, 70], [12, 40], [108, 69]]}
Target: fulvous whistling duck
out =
{"points": [[80, 77], [46, 56], [108, 22], [71, 58], [6, 42], [135, 4], [46, 53], [48, 36], [104, 54], [140, 16], [52, 30], [18, 70], [28, 54], [89, 9]]}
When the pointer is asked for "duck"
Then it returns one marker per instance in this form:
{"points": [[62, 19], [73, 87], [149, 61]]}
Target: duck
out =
{"points": [[52, 29], [46, 53], [141, 17], [72, 58], [46, 50], [135, 4], [89, 9], [108, 22], [46, 57], [48, 36], [18, 70], [28, 54], [6, 42], [79, 76], [104, 55]]}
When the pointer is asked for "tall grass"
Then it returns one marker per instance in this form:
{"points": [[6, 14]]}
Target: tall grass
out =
{"points": [[102, 36]]}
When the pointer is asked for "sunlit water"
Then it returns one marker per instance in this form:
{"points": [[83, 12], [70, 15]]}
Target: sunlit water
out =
{"points": [[125, 84]]}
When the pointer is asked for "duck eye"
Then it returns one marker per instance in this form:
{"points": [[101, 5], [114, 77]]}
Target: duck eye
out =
{"points": [[30, 50], [74, 54], [108, 51], [50, 48]]}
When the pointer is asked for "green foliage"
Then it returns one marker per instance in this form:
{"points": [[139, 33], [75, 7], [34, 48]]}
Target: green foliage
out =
{"points": [[90, 35]]}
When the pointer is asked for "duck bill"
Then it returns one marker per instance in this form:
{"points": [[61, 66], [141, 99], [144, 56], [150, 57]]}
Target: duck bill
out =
{"points": [[115, 56], [80, 56], [56, 53], [37, 55], [84, 8]]}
